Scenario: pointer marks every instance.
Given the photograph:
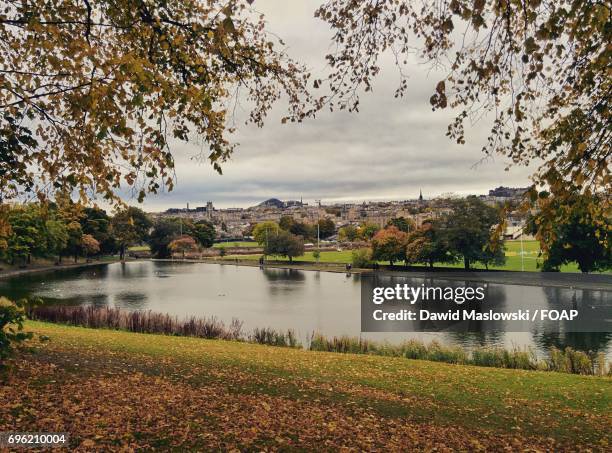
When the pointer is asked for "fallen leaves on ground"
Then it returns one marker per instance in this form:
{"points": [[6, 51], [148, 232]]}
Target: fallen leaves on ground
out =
{"points": [[115, 398]]}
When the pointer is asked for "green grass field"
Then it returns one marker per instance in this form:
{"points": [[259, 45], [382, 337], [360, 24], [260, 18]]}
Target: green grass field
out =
{"points": [[112, 389], [531, 250], [246, 244]]}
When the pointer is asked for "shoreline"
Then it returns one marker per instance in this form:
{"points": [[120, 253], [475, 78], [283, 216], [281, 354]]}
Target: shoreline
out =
{"points": [[52, 268], [592, 282]]}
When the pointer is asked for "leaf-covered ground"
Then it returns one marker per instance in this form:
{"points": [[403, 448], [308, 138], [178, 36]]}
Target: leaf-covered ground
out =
{"points": [[114, 389]]}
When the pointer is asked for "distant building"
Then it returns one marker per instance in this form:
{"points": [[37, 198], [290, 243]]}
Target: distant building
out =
{"points": [[508, 192]]}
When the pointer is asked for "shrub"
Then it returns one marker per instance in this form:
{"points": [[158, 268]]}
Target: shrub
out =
{"points": [[12, 316], [361, 258], [413, 349], [449, 354], [272, 337]]}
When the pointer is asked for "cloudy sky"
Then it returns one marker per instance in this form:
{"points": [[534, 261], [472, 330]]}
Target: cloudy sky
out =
{"points": [[390, 150]]}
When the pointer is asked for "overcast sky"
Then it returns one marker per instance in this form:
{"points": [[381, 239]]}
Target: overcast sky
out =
{"points": [[390, 150]]}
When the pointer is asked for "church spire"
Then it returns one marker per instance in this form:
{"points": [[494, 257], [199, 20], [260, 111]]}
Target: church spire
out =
{"points": [[420, 194]]}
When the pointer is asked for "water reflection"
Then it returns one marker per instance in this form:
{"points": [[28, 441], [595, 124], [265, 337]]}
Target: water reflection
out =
{"points": [[306, 301]]}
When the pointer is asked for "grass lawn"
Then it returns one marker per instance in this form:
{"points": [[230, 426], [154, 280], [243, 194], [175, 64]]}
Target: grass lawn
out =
{"points": [[245, 244], [139, 248], [513, 258], [112, 389]]}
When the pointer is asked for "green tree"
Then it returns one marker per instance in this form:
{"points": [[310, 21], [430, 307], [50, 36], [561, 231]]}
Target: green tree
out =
{"points": [[286, 222], [264, 231], [368, 230], [389, 244], [203, 232], [27, 236], [57, 237], [163, 233], [327, 228], [348, 233], [469, 229], [402, 224], [284, 244], [581, 233], [75, 236], [428, 245], [97, 223], [129, 227], [303, 229]]}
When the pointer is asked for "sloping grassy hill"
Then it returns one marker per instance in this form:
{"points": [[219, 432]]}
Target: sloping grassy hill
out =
{"points": [[111, 389]]}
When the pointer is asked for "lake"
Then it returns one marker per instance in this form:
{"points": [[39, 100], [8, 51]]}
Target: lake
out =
{"points": [[306, 301]]}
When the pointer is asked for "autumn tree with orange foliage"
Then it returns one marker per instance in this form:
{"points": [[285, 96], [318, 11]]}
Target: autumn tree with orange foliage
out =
{"points": [[389, 244], [183, 245]]}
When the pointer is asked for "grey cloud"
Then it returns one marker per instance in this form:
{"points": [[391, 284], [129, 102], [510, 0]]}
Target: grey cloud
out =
{"points": [[390, 149]]}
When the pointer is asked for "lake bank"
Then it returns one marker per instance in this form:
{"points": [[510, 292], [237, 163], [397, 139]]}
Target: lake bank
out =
{"points": [[224, 395], [594, 282], [33, 269], [328, 303]]}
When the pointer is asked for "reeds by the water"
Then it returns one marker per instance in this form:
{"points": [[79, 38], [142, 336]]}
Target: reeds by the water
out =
{"points": [[138, 321], [565, 361]]}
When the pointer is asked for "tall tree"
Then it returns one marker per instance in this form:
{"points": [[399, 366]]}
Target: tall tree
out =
{"points": [[285, 244], [348, 233], [57, 237], [27, 234], [92, 93], [183, 245], [97, 223], [130, 226], [286, 222], [304, 230], [327, 228], [389, 244], [402, 224], [89, 245], [203, 232], [428, 245], [163, 233], [368, 230], [264, 231], [581, 234], [538, 72], [469, 229]]}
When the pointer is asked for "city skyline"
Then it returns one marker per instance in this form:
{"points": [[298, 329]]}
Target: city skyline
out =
{"points": [[387, 151]]}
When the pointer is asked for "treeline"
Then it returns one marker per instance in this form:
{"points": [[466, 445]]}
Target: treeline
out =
{"points": [[466, 233], [64, 228], [471, 232]]}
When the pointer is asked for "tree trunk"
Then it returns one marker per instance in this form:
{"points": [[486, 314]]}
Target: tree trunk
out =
{"points": [[122, 252], [466, 263], [431, 263]]}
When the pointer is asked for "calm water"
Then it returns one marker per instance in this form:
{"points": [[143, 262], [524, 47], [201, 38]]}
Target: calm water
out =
{"points": [[305, 301]]}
